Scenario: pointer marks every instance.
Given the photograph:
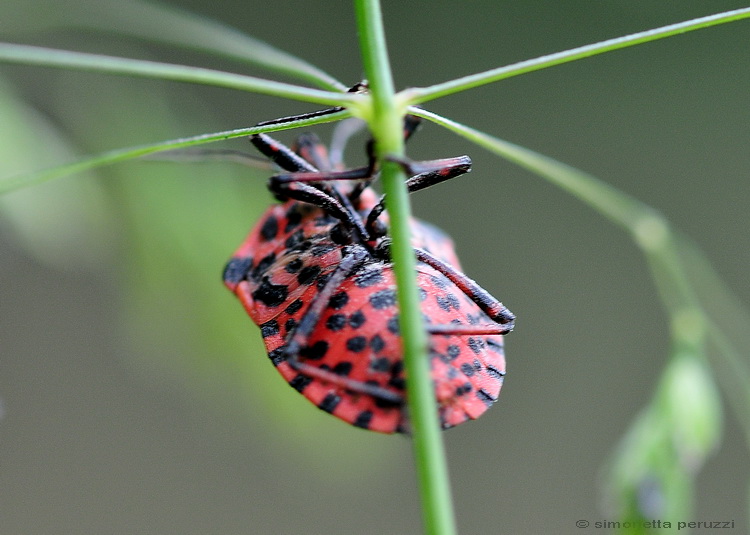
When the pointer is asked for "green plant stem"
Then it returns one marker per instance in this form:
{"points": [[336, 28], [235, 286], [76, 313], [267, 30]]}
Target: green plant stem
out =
{"points": [[650, 230], [660, 244], [418, 95], [165, 24], [386, 122], [49, 57], [114, 156]]}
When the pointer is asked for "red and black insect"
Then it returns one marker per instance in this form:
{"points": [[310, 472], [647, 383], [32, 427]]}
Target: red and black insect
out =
{"points": [[315, 274]]}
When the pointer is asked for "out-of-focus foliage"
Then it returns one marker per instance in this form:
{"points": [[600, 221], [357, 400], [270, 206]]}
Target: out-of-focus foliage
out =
{"points": [[137, 393], [66, 224]]}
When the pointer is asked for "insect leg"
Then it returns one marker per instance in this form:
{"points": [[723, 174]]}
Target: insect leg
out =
{"points": [[359, 87], [358, 173], [294, 118], [424, 174], [489, 305], [299, 337], [306, 163], [411, 123], [326, 202], [280, 154], [309, 146], [293, 185]]}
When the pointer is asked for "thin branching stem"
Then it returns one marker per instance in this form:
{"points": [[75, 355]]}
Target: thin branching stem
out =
{"points": [[120, 155], [418, 95], [386, 123], [657, 240], [663, 248], [166, 24], [65, 59]]}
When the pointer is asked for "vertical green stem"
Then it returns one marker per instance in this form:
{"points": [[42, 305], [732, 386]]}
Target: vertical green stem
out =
{"points": [[386, 124], [682, 424]]}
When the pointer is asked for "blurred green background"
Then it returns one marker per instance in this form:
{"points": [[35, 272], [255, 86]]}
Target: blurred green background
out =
{"points": [[135, 394]]}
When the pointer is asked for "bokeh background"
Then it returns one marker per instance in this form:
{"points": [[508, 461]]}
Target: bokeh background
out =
{"points": [[135, 394]]}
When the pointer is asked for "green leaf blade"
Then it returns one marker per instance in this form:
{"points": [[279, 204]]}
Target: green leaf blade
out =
{"points": [[120, 155], [65, 59], [420, 95], [162, 24]]}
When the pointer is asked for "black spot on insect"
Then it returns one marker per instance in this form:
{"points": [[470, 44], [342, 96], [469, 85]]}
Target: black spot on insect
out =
{"points": [[322, 280], [436, 355], [270, 228], [495, 346], [363, 419], [308, 275], [324, 221], [299, 382], [293, 218], [271, 295], [368, 278], [290, 324], [439, 282], [485, 397], [316, 351], [495, 373], [320, 250], [383, 299], [269, 328], [293, 241], [443, 303], [377, 343], [393, 326], [397, 382], [339, 235], [336, 322], [476, 345], [236, 269], [357, 319], [453, 351], [453, 300], [330, 402], [468, 369], [356, 343], [342, 368], [277, 356], [381, 364], [338, 301], [294, 307], [463, 389], [303, 246], [265, 263], [294, 266], [385, 403]]}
